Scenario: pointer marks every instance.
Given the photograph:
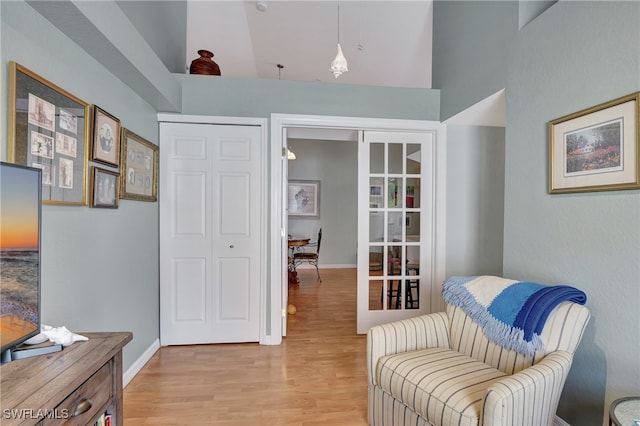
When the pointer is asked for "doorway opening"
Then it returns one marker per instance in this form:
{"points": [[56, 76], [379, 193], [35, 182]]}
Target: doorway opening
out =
{"points": [[281, 125], [322, 186]]}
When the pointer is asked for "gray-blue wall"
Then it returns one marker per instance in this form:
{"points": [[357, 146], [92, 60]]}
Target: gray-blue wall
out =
{"points": [[99, 266], [470, 47], [163, 24], [335, 165], [248, 97], [572, 56], [475, 200]]}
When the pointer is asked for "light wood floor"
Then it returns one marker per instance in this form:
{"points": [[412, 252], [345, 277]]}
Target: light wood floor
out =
{"points": [[316, 377]]}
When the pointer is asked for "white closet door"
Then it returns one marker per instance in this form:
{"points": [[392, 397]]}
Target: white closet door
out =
{"points": [[210, 233]]}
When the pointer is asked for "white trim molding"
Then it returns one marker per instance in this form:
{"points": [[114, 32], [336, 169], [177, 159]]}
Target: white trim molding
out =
{"points": [[135, 368]]}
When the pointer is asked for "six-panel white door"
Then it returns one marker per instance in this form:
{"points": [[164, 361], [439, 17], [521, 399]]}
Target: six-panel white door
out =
{"points": [[211, 233]]}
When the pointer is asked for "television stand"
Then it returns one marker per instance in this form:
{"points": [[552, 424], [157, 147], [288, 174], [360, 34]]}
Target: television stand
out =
{"points": [[76, 385]]}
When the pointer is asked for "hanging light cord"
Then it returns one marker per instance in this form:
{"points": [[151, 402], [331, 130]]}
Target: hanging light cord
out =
{"points": [[339, 64], [338, 23]]}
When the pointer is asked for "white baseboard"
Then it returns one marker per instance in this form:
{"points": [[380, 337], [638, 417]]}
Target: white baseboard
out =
{"points": [[559, 422], [131, 372]]}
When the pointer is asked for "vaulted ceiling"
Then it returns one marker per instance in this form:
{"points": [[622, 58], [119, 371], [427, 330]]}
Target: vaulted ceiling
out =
{"points": [[386, 43]]}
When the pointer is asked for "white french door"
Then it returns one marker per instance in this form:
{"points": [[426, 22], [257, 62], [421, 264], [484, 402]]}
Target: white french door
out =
{"points": [[396, 241], [211, 233]]}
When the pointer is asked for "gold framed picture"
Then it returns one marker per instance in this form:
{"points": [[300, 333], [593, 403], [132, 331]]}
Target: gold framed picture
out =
{"points": [[105, 188], [596, 149], [48, 129], [105, 146], [139, 168]]}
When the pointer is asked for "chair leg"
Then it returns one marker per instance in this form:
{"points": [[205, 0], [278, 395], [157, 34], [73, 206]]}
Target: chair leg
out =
{"points": [[394, 293], [412, 302], [318, 272]]}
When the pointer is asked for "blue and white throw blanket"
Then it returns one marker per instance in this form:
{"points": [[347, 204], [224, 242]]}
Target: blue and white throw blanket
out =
{"points": [[511, 313]]}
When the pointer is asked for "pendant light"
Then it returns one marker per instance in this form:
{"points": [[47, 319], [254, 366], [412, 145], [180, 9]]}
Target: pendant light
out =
{"points": [[339, 64]]}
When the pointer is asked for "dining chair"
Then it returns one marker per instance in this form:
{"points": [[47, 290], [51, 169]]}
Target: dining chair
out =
{"points": [[311, 258]]}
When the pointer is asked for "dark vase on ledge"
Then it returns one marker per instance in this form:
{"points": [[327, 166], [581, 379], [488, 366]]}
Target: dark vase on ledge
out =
{"points": [[204, 64]]}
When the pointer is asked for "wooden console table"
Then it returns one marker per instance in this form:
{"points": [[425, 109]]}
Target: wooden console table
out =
{"points": [[74, 386]]}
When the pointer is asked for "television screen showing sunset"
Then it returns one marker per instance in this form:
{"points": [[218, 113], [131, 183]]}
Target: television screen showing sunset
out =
{"points": [[18, 215], [20, 200]]}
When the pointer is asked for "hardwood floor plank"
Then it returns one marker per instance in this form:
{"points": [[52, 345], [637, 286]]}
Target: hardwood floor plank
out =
{"points": [[316, 377]]}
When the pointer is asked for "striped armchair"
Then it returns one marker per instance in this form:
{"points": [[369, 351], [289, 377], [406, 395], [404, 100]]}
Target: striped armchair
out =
{"points": [[441, 369]]}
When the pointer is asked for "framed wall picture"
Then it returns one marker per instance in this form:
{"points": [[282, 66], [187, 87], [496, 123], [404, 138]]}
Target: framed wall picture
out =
{"points": [[139, 171], [376, 199], [596, 149], [105, 144], [48, 128], [105, 188], [304, 198]]}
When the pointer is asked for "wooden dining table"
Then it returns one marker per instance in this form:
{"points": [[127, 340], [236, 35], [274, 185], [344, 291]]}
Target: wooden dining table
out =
{"points": [[297, 242], [293, 244]]}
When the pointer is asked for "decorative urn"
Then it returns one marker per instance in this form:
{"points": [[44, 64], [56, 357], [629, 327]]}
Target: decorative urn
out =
{"points": [[204, 64]]}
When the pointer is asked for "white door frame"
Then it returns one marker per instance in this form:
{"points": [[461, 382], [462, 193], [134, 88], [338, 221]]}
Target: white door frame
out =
{"points": [[278, 259], [244, 121]]}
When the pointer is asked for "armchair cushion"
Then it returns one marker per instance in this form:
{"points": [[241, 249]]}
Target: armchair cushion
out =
{"points": [[425, 331], [440, 385]]}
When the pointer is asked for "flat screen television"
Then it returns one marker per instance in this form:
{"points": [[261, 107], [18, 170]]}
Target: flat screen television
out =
{"points": [[20, 221]]}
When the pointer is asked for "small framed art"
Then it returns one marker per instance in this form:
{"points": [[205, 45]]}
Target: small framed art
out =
{"points": [[105, 146], [139, 171], [304, 198], [596, 149], [48, 129], [105, 188]]}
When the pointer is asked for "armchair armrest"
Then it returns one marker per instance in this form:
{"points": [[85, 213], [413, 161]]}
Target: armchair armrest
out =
{"points": [[422, 332], [532, 392]]}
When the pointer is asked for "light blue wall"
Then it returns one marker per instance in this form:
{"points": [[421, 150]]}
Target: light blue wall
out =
{"points": [[475, 200], [335, 165], [99, 266], [573, 56], [245, 97], [530, 10], [470, 47], [163, 24]]}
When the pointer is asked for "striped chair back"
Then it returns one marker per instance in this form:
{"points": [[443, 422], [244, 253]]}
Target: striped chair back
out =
{"points": [[562, 331]]}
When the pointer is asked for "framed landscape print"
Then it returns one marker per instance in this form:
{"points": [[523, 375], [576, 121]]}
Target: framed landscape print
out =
{"points": [[48, 129], [304, 198], [105, 188], [596, 149], [139, 168], [105, 145]]}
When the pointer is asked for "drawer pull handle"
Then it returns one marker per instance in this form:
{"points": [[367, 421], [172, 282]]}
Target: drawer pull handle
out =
{"points": [[82, 407]]}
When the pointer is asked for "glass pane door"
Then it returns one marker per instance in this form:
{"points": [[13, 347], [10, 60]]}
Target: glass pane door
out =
{"points": [[395, 177]]}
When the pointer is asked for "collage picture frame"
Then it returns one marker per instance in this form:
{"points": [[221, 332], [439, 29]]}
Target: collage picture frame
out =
{"points": [[48, 129]]}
